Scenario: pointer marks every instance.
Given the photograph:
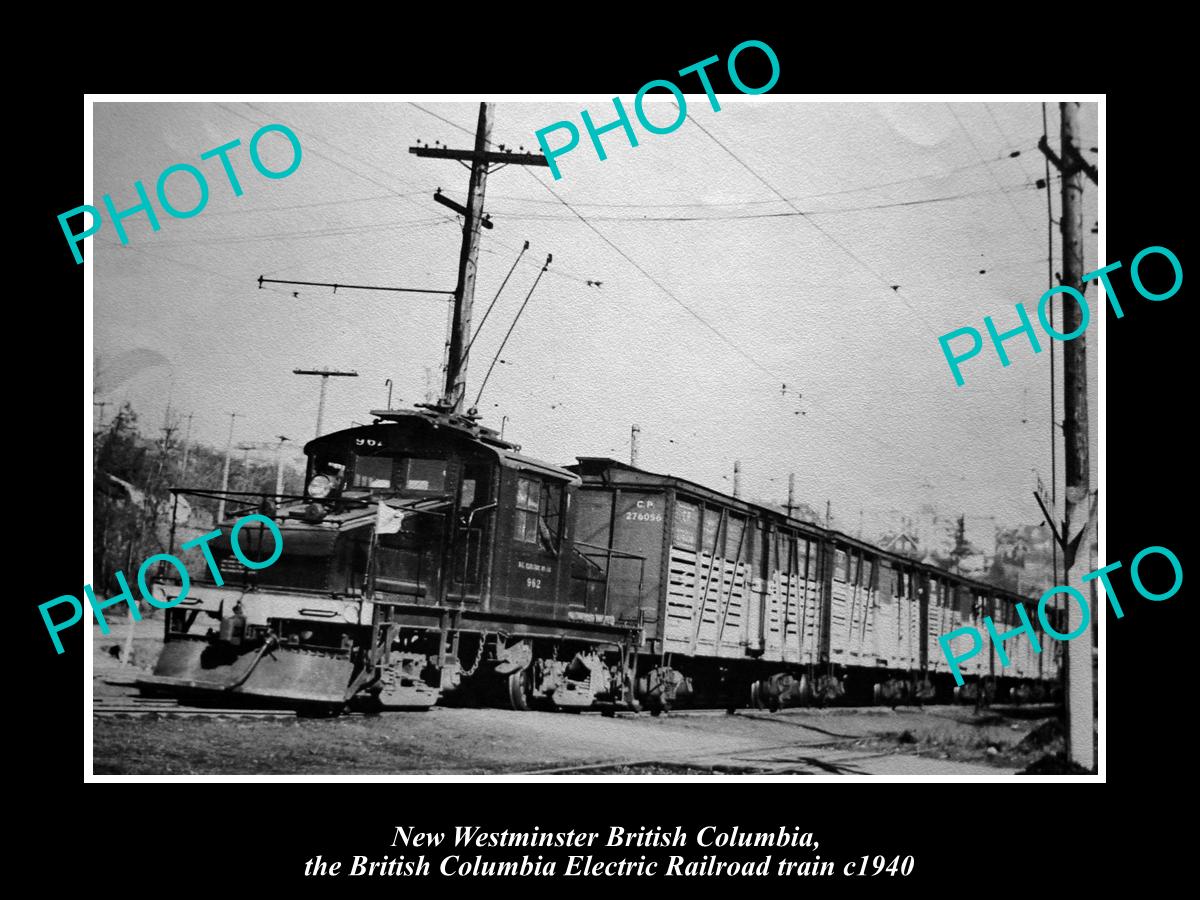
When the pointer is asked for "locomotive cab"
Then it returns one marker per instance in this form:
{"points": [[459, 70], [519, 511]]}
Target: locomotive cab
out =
{"points": [[420, 540]]}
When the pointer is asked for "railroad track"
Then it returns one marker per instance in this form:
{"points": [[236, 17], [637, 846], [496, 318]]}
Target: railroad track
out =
{"points": [[837, 755], [144, 707], [727, 761]]}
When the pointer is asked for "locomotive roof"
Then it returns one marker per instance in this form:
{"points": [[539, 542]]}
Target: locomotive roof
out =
{"points": [[603, 468], [461, 429]]}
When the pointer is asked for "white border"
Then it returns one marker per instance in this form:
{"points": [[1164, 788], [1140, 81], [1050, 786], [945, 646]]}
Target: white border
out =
{"points": [[88, 191]]}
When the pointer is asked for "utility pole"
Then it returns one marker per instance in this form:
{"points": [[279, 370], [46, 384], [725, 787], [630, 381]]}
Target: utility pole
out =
{"points": [[791, 506], [960, 542], [279, 463], [634, 434], [1079, 526], [828, 512], [187, 448], [225, 474], [1079, 523], [737, 478], [165, 449], [246, 447], [101, 404], [325, 374], [468, 263]]}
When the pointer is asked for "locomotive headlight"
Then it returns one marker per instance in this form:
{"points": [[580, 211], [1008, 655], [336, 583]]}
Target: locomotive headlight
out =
{"points": [[320, 486]]}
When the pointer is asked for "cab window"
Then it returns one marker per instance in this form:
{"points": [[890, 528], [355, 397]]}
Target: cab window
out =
{"points": [[538, 513], [529, 504], [422, 475], [398, 473], [373, 472]]}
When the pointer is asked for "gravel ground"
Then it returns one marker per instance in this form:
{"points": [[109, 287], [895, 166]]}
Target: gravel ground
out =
{"points": [[936, 740], [496, 741]]}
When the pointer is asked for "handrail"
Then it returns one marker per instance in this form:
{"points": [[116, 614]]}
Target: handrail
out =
{"points": [[611, 551], [479, 509]]}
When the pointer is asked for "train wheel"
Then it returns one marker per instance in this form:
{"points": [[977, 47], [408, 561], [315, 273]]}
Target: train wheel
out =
{"points": [[518, 690], [657, 705]]}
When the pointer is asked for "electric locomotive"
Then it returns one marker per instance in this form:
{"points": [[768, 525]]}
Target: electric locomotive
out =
{"points": [[427, 557]]}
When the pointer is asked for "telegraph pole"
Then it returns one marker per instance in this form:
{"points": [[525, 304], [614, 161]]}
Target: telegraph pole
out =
{"points": [[737, 478], [1079, 526], [279, 463], [1079, 523], [187, 448], [468, 262], [634, 434], [246, 447], [325, 374], [468, 265], [791, 504], [225, 475]]}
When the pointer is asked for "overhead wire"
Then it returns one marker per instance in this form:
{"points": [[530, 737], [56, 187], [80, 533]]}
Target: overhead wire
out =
{"points": [[987, 107], [760, 202], [754, 361], [332, 231], [651, 278], [667, 291], [210, 214], [341, 165], [749, 357], [780, 215], [566, 274], [643, 271], [1020, 215], [895, 288], [216, 274], [441, 118], [557, 271]]}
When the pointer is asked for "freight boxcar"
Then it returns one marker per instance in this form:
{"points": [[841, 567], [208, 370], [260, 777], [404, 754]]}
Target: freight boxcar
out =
{"points": [[740, 602]]}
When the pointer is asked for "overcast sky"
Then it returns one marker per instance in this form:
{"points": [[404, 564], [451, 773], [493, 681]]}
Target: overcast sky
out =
{"points": [[923, 196]]}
